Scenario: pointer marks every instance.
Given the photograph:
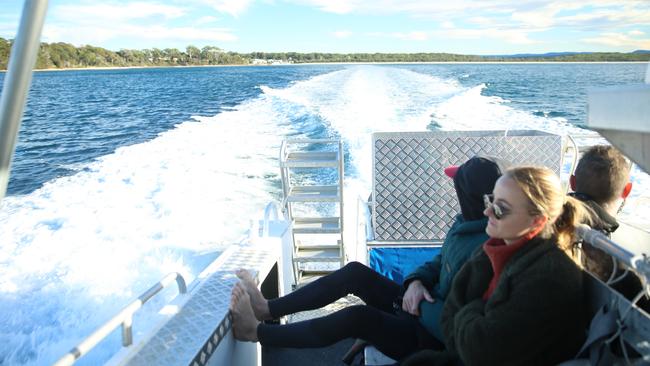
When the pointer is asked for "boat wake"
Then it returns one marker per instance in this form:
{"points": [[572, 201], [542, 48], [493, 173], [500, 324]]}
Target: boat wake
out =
{"points": [[76, 250]]}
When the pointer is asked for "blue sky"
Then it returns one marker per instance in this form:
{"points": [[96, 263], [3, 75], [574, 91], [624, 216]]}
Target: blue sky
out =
{"points": [[458, 26]]}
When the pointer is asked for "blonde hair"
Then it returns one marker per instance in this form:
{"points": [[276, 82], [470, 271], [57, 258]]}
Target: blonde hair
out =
{"points": [[546, 197]]}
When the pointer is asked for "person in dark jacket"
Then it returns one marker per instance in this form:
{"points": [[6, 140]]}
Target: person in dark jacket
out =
{"points": [[602, 182], [427, 287], [394, 332], [519, 299]]}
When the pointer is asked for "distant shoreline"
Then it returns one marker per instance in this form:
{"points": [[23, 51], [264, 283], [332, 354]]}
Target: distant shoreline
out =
{"points": [[342, 63], [63, 56]]}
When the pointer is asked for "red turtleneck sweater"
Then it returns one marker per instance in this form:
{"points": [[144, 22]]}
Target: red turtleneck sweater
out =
{"points": [[499, 253]]}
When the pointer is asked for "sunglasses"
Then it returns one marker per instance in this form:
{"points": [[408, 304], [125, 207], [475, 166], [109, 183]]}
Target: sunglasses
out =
{"points": [[499, 212]]}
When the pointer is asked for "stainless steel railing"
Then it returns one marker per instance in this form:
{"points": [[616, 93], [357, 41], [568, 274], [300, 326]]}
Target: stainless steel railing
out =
{"points": [[639, 263], [123, 318], [17, 80]]}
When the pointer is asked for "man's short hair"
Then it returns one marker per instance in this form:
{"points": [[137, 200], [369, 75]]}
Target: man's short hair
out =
{"points": [[602, 173]]}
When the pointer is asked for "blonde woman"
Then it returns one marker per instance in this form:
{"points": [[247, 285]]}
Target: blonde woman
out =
{"points": [[519, 300]]}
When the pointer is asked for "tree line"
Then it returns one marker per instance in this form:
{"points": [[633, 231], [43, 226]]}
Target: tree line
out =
{"points": [[64, 55]]}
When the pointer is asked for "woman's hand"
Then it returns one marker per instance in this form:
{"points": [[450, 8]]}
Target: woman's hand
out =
{"points": [[412, 297]]}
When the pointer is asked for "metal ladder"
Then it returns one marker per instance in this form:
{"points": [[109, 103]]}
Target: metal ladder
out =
{"points": [[312, 183]]}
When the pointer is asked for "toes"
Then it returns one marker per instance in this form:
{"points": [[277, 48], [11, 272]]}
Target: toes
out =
{"points": [[242, 274], [240, 288], [233, 302], [236, 297], [239, 294]]}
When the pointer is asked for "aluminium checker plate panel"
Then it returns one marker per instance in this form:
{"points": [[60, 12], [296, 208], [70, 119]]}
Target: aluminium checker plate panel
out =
{"points": [[413, 200], [191, 336]]}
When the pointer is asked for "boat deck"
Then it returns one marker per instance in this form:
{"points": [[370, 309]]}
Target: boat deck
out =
{"points": [[332, 355], [326, 356]]}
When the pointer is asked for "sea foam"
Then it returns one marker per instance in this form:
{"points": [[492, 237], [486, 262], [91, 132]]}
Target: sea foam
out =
{"points": [[78, 249]]}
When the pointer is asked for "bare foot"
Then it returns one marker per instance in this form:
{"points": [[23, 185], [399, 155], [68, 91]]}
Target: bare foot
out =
{"points": [[244, 324], [258, 302]]}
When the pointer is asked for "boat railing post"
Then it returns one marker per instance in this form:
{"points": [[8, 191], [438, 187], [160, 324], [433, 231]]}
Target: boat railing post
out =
{"points": [[127, 331], [270, 213], [572, 145], [17, 81]]}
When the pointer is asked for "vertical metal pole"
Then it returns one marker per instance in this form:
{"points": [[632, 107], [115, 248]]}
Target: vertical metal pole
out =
{"points": [[17, 80], [127, 331]]}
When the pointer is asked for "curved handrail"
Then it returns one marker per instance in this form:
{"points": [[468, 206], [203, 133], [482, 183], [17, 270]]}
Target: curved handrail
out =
{"points": [[270, 210], [368, 215], [574, 162], [638, 263], [575, 154], [124, 318], [363, 211]]}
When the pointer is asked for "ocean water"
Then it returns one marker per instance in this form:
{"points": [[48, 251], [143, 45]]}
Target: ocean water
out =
{"points": [[122, 176]]}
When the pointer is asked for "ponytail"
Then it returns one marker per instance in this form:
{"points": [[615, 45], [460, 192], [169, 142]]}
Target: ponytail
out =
{"points": [[573, 213], [544, 191]]}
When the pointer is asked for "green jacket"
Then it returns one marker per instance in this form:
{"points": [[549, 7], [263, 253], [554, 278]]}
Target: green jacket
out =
{"points": [[534, 316], [437, 275]]}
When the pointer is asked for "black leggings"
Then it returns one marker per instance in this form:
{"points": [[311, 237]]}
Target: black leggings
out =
{"points": [[396, 335]]}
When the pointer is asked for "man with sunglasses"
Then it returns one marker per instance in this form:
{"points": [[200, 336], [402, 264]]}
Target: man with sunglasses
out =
{"points": [[428, 286]]}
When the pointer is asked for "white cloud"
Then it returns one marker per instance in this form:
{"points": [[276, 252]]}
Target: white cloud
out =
{"points": [[232, 7], [342, 34], [513, 36], [187, 34], [111, 11], [206, 19], [94, 35], [333, 6], [480, 20], [447, 24], [540, 17], [8, 30], [416, 8], [513, 13], [619, 40], [412, 36], [509, 36], [97, 24], [509, 21]]}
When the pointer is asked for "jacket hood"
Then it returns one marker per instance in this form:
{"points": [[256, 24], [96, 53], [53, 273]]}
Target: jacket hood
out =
{"points": [[475, 178]]}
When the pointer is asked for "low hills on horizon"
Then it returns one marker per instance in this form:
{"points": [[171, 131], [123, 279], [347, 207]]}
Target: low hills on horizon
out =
{"points": [[64, 55]]}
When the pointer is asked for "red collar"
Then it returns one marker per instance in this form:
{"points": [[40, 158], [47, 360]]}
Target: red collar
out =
{"points": [[499, 253]]}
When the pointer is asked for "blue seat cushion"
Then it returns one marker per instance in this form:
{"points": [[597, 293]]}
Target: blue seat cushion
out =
{"points": [[397, 263]]}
